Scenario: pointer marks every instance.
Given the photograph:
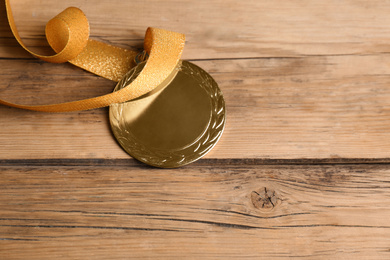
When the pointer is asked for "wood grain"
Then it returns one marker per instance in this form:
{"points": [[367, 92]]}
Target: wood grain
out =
{"points": [[225, 28], [301, 171], [197, 212], [280, 108]]}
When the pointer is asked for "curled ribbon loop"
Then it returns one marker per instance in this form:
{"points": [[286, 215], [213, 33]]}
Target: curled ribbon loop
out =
{"points": [[68, 35]]}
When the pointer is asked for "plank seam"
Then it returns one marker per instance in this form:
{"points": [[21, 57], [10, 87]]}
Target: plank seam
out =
{"points": [[202, 162]]}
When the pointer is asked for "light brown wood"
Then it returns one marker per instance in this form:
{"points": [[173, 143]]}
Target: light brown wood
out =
{"points": [[226, 28], [302, 169], [197, 212], [283, 108]]}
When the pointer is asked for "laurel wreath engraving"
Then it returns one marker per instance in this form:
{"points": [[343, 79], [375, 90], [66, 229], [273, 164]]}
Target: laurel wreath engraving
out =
{"points": [[185, 155]]}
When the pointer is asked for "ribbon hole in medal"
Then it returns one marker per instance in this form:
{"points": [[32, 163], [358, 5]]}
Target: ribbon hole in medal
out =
{"points": [[140, 57], [175, 124]]}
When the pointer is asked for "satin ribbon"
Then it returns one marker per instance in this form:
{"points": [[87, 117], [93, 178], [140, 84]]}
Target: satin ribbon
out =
{"points": [[68, 35]]}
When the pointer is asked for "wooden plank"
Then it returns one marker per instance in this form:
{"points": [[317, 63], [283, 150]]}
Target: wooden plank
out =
{"points": [[205, 211], [225, 28], [277, 108]]}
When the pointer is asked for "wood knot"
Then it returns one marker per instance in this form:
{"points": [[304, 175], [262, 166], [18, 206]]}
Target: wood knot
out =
{"points": [[265, 199]]}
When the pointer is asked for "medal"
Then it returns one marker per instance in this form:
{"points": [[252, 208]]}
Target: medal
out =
{"points": [[175, 124]]}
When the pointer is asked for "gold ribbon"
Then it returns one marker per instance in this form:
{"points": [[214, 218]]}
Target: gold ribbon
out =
{"points": [[68, 35]]}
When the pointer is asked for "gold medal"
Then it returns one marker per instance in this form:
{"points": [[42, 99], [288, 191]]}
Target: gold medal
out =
{"points": [[175, 124]]}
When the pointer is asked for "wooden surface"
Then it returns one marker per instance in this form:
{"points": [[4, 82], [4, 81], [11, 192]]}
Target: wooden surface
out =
{"points": [[302, 170]]}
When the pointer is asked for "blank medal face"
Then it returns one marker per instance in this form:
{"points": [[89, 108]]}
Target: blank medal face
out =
{"points": [[175, 124]]}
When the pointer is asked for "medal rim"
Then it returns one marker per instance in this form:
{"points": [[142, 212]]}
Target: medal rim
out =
{"points": [[174, 158]]}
